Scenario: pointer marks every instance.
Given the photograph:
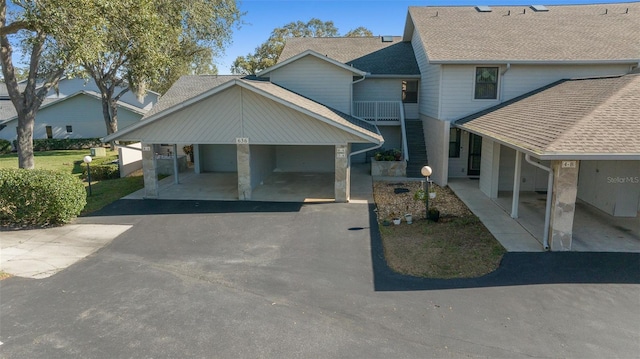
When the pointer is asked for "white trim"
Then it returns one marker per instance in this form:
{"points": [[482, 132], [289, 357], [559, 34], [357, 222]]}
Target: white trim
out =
{"points": [[92, 94], [392, 76], [551, 156], [475, 82], [315, 54], [246, 85], [533, 62]]}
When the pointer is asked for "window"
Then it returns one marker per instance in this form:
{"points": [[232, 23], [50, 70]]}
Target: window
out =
{"points": [[454, 142], [410, 91], [69, 129], [49, 132], [486, 83]]}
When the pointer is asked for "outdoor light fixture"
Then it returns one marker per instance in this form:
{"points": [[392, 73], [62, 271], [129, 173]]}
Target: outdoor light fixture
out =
{"points": [[87, 160], [426, 172]]}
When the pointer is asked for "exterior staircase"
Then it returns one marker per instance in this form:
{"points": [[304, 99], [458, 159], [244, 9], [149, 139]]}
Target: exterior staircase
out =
{"points": [[417, 148]]}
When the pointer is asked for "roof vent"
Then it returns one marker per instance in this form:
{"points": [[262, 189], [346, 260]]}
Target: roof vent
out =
{"points": [[540, 8], [387, 38], [483, 8]]}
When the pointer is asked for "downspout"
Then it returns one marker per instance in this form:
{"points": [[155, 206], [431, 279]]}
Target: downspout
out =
{"points": [[352, 99], [547, 214], [502, 81]]}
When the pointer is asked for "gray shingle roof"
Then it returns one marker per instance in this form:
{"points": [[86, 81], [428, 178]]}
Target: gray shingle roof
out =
{"points": [[564, 33], [598, 116], [368, 54], [188, 87]]}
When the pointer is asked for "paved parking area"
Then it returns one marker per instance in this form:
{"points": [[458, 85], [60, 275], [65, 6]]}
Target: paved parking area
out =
{"points": [[267, 280]]}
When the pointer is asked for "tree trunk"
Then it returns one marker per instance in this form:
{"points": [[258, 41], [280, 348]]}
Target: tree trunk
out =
{"points": [[25, 140]]}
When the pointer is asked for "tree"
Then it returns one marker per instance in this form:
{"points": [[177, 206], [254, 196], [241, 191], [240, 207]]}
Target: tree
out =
{"points": [[52, 34], [360, 31], [266, 55], [154, 43]]}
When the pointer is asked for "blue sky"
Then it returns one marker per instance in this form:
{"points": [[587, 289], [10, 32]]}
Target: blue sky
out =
{"points": [[382, 17]]}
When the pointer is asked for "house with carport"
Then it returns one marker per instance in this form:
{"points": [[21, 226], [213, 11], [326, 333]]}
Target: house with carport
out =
{"points": [[519, 99], [316, 112], [534, 99]]}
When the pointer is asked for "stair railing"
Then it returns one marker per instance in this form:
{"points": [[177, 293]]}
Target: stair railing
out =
{"points": [[403, 129]]}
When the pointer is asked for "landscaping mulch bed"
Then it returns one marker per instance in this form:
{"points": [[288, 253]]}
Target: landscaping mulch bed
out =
{"points": [[457, 246]]}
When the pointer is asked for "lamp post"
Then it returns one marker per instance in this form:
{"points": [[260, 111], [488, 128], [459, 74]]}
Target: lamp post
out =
{"points": [[87, 160], [426, 172]]}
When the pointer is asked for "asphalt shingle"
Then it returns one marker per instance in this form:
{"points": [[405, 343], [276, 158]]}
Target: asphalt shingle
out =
{"points": [[369, 54], [518, 33], [579, 116]]}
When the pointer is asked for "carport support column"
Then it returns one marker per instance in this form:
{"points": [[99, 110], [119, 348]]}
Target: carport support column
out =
{"points": [[149, 171], [244, 171], [563, 205], [343, 173], [516, 185]]}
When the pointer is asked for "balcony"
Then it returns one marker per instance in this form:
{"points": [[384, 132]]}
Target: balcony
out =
{"points": [[382, 113]]}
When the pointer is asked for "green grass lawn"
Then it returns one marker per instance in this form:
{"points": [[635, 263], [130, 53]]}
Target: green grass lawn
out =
{"points": [[103, 192]]}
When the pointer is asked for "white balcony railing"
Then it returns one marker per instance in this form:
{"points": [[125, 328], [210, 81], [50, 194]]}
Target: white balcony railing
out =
{"points": [[384, 113], [378, 111]]}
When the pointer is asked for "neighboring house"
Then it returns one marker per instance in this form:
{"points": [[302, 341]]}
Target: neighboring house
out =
{"points": [[471, 87], [490, 93], [73, 110]]}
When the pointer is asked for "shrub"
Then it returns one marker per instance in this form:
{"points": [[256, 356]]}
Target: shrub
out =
{"points": [[102, 172], [388, 155], [39, 197], [101, 169], [5, 146], [50, 144]]}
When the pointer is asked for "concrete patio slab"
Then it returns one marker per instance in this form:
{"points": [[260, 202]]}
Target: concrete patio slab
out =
{"points": [[41, 253], [511, 234]]}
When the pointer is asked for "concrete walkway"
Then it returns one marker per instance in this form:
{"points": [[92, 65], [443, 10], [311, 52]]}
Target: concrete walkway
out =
{"points": [[41, 253], [511, 234]]}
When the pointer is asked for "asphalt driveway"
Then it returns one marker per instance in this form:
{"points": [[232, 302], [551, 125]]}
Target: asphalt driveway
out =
{"points": [[264, 280]]}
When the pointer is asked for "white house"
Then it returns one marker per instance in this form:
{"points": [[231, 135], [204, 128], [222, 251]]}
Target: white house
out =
{"points": [[481, 92], [73, 110], [316, 111], [490, 94]]}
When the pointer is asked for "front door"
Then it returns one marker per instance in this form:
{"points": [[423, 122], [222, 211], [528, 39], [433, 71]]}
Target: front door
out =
{"points": [[475, 149]]}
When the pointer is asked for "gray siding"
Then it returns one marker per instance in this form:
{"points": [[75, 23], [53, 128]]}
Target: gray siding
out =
{"points": [[235, 113], [378, 90], [317, 80], [458, 84], [83, 113], [429, 93], [305, 158], [268, 122], [611, 186], [218, 158], [262, 162], [531, 178], [214, 120]]}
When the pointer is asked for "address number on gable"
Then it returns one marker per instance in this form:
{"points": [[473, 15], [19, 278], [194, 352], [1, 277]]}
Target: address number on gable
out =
{"points": [[242, 140]]}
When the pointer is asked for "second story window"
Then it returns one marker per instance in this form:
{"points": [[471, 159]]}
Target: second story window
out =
{"points": [[410, 91], [486, 83]]}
